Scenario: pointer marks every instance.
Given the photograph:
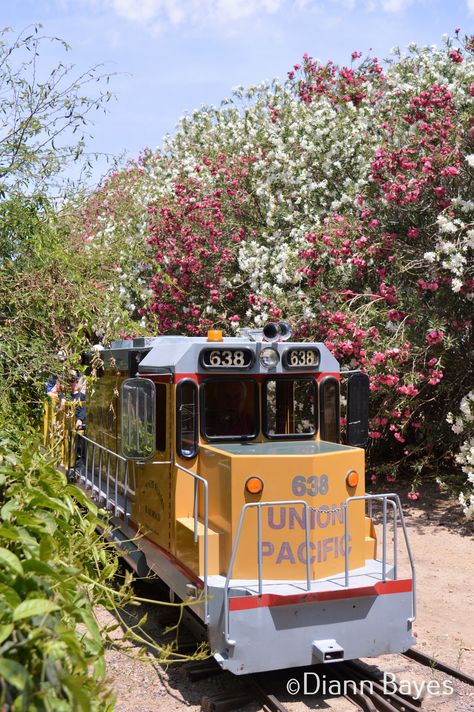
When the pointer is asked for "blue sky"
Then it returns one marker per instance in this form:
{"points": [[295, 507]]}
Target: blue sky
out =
{"points": [[172, 56]]}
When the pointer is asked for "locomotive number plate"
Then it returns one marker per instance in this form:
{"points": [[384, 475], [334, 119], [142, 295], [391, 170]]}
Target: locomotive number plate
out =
{"points": [[301, 358], [226, 358]]}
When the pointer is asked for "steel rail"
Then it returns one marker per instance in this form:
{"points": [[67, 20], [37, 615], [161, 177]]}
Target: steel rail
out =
{"points": [[436, 664], [382, 698], [270, 702]]}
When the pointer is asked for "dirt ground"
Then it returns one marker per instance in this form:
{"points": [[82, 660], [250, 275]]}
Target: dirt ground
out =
{"points": [[443, 547]]}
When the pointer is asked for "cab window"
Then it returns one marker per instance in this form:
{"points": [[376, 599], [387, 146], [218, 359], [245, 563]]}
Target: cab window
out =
{"points": [[229, 409], [329, 410], [186, 418], [138, 422], [290, 408]]}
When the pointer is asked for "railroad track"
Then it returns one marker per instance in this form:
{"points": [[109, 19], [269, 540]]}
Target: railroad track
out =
{"points": [[434, 664], [361, 685], [357, 683]]}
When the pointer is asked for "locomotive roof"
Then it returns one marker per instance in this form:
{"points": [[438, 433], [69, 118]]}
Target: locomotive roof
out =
{"points": [[181, 354]]}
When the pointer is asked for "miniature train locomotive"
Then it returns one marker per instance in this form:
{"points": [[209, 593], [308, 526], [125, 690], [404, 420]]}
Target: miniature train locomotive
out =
{"points": [[220, 463]]}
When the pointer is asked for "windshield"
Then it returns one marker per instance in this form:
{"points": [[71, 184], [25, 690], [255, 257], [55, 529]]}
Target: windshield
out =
{"points": [[289, 407], [230, 409]]}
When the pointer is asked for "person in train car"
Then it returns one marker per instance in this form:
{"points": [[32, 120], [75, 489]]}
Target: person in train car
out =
{"points": [[53, 387], [76, 394]]}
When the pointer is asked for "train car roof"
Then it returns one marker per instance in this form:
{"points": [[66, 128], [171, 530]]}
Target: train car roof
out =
{"points": [[184, 355]]}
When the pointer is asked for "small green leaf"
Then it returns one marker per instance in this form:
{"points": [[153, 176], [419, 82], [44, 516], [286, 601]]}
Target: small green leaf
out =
{"points": [[81, 698], [14, 673], [42, 500], [10, 533], [47, 547], [34, 607], [5, 631], [8, 509], [38, 567], [99, 668], [11, 561], [8, 594], [91, 625]]}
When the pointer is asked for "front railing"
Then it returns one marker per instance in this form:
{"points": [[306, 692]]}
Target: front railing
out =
{"points": [[388, 500]]}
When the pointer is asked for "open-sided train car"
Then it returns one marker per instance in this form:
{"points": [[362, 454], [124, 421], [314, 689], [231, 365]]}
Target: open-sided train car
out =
{"points": [[221, 464]]}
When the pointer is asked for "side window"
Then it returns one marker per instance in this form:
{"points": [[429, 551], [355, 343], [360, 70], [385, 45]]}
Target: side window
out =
{"points": [[138, 399], [358, 392], [187, 418], [161, 416], [329, 410]]}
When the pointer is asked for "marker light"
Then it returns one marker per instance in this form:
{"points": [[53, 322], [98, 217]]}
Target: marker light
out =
{"points": [[214, 335], [352, 478], [269, 358], [254, 485]]}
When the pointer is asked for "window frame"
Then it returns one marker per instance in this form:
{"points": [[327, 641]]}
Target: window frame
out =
{"points": [[179, 449], [162, 410], [153, 421], [290, 436], [202, 405], [322, 385]]}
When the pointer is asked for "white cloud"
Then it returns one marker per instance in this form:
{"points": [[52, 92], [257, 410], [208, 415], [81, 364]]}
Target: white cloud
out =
{"points": [[470, 5], [193, 12], [389, 6], [395, 5], [158, 15]]}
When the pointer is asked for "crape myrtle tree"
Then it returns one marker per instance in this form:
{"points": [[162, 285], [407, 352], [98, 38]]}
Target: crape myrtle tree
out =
{"points": [[340, 199]]}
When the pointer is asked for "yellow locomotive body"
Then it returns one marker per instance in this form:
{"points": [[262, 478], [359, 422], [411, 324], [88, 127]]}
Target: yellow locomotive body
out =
{"points": [[225, 457]]}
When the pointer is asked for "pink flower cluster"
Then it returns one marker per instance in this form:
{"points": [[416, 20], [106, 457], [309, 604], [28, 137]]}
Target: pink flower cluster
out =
{"points": [[413, 172], [339, 85]]}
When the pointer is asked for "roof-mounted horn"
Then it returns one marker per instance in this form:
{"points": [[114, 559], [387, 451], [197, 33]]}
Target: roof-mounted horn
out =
{"points": [[277, 331]]}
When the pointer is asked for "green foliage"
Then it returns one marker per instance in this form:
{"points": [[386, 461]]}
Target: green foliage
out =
{"points": [[43, 111], [51, 650], [46, 298], [54, 567]]}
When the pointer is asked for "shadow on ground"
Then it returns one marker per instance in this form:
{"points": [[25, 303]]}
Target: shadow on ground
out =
{"points": [[433, 508]]}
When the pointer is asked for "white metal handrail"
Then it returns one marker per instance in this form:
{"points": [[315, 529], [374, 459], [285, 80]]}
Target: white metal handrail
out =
{"points": [[95, 453], [197, 480], [391, 500], [394, 500]]}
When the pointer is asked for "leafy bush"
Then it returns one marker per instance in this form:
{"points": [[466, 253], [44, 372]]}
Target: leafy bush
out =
{"points": [[463, 424], [342, 200], [54, 569]]}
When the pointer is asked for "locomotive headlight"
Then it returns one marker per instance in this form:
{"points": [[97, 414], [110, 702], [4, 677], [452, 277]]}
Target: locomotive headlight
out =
{"points": [[269, 358], [352, 478], [254, 485]]}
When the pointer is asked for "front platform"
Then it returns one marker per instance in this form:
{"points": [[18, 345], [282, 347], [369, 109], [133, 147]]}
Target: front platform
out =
{"points": [[296, 627]]}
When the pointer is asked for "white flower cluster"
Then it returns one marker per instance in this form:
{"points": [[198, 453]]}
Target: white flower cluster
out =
{"points": [[463, 422], [454, 246], [304, 162]]}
